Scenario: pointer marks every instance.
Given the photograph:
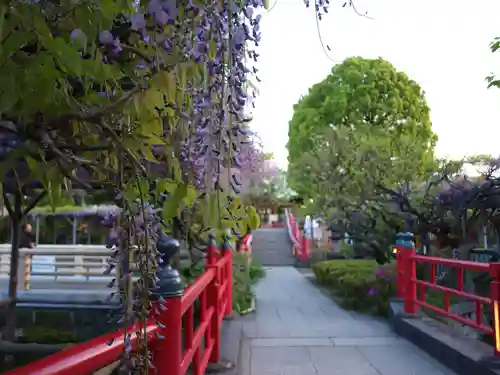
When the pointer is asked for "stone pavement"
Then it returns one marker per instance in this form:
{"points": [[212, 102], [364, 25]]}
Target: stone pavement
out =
{"points": [[299, 331]]}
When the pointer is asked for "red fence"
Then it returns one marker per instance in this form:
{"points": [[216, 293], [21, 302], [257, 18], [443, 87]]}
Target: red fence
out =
{"points": [[246, 246], [413, 290], [301, 244], [166, 332]]}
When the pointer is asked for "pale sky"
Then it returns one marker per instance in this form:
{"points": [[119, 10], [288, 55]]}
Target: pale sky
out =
{"points": [[441, 44]]}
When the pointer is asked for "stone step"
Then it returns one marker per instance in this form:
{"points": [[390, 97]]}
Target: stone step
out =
{"points": [[271, 247]]}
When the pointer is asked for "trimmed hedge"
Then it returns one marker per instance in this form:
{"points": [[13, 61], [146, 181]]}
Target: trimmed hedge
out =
{"points": [[360, 285], [365, 286]]}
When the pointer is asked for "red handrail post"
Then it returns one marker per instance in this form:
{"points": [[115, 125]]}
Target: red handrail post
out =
{"points": [[495, 302], [410, 274], [213, 300], [227, 252], [167, 355], [307, 249]]}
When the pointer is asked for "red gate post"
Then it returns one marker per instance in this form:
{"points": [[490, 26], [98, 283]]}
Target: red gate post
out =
{"points": [[227, 251], [495, 301], [167, 355], [212, 300], [410, 273]]}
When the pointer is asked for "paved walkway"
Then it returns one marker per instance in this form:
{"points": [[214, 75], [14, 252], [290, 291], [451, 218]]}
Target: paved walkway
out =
{"points": [[299, 331]]}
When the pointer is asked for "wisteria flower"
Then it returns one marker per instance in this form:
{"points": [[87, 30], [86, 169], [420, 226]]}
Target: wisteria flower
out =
{"points": [[78, 37]]}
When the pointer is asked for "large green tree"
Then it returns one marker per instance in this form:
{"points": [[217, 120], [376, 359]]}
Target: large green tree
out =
{"points": [[369, 104], [363, 130]]}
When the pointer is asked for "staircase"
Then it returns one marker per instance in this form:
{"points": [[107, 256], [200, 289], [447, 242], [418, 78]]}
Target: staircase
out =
{"points": [[271, 247]]}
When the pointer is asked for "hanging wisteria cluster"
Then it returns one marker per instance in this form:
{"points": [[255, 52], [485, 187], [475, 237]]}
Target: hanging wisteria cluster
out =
{"points": [[210, 119], [89, 89], [132, 239], [216, 121]]}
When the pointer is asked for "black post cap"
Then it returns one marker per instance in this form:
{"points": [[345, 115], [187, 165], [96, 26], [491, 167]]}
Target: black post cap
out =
{"points": [[170, 283], [167, 247]]}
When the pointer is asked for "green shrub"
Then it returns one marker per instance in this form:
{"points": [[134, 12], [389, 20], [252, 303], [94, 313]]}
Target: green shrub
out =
{"points": [[362, 285], [191, 272], [384, 287], [319, 254], [257, 272], [359, 284], [46, 335], [243, 294], [245, 276], [329, 272]]}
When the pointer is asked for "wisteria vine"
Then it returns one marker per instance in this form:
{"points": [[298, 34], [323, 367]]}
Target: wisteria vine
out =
{"points": [[98, 91]]}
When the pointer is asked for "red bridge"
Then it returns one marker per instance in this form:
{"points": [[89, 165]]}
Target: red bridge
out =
{"points": [[170, 325], [296, 328]]}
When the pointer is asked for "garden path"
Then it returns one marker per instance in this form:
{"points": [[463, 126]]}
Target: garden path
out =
{"points": [[299, 331]]}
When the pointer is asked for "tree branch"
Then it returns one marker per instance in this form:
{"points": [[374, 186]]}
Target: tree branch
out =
{"points": [[7, 203], [34, 201], [93, 114]]}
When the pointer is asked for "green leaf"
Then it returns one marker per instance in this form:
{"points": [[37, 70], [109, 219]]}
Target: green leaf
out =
{"points": [[175, 171], [3, 11], [51, 180], [109, 8], [253, 217], [148, 155], [32, 165], [143, 187], [131, 193], [191, 195], [42, 31], [10, 94], [173, 203], [210, 211], [67, 56], [494, 82], [165, 186]]}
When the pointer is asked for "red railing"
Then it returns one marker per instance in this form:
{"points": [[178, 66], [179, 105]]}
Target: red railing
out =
{"points": [[165, 332], [246, 245], [302, 244], [413, 290]]}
